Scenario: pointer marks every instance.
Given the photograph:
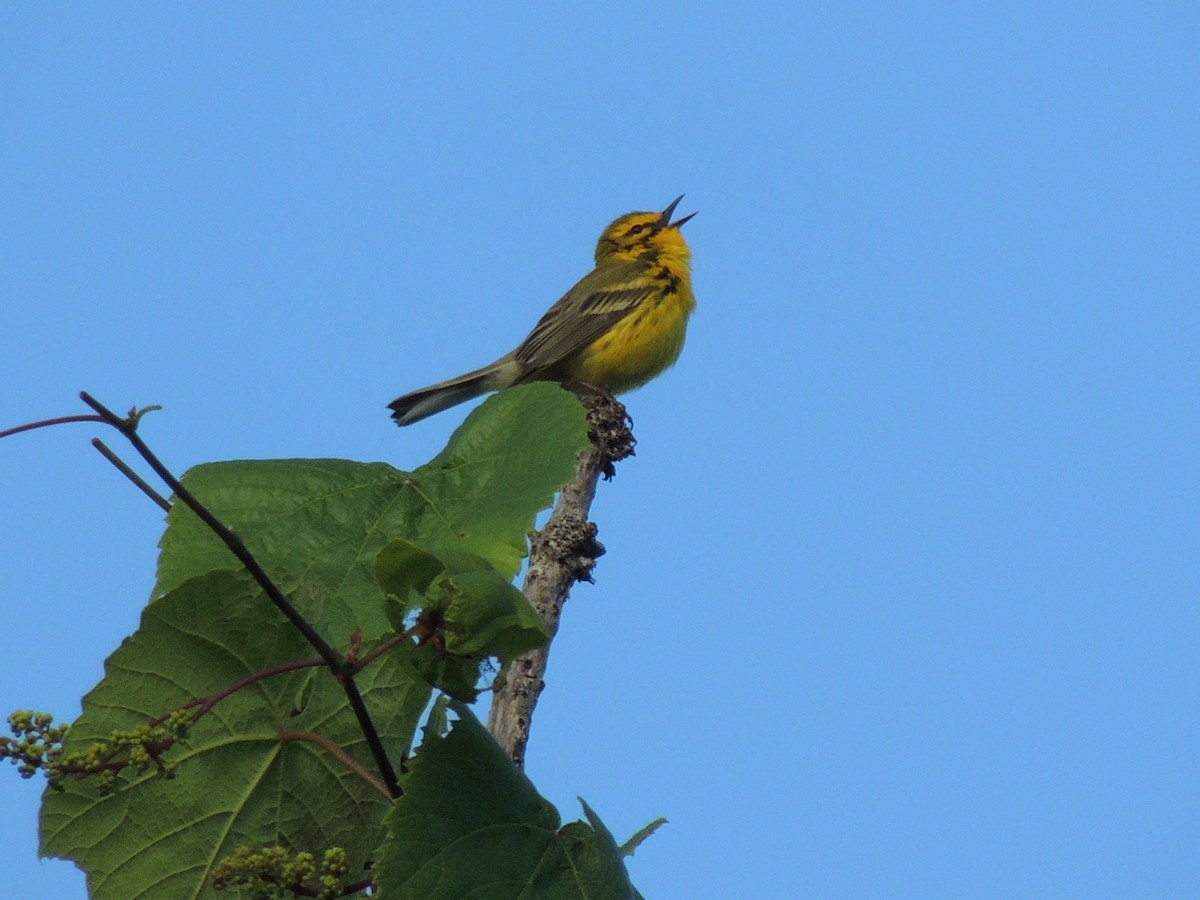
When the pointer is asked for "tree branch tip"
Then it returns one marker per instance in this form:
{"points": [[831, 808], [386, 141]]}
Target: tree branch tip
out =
{"points": [[127, 424], [610, 430], [92, 402]]}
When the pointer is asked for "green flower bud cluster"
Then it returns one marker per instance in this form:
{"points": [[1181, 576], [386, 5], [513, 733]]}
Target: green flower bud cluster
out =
{"points": [[39, 747], [274, 873], [36, 744]]}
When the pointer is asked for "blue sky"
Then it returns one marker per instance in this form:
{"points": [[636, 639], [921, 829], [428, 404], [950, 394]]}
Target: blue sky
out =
{"points": [[901, 592]]}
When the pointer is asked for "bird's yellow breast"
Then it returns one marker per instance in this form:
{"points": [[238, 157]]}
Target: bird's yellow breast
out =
{"points": [[640, 346]]}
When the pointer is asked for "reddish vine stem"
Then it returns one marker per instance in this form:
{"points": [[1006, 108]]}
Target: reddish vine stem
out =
{"points": [[204, 705], [46, 423]]}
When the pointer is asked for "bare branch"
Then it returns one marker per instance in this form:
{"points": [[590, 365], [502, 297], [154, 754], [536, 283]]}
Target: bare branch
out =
{"points": [[561, 554]]}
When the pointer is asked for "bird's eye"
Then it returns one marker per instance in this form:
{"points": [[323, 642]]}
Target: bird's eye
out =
{"points": [[636, 229]]}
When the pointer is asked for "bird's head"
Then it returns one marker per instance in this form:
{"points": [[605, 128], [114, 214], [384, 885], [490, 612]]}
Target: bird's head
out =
{"points": [[639, 235]]}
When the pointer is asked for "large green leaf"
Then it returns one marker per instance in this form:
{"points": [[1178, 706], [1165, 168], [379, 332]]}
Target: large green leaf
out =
{"points": [[244, 775], [248, 774], [470, 824], [325, 520]]}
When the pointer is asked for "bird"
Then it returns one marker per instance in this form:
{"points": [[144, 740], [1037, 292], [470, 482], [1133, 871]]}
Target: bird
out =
{"points": [[621, 325]]}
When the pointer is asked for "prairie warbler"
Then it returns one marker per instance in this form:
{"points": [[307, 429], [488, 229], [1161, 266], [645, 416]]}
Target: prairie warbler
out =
{"points": [[620, 326]]}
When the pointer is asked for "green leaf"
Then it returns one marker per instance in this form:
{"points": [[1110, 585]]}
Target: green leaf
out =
{"points": [[470, 824], [245, 775], [250, 773], [326, 520], [455, 675], [438, 720], [479, 613], [487, 616], [402, 568], [483, 613], [630, 846], [505, 462], [405, 572]]}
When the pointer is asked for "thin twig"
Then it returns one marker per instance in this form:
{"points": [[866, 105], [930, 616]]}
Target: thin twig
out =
{"points": [[333, 659], [133, 476], [562, 553], [46, 423]]}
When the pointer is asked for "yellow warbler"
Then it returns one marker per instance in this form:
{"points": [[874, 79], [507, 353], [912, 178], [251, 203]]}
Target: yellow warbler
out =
{"points": [[620, 326]]}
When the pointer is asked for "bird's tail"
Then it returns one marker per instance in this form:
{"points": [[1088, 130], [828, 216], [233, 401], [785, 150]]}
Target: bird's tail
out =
{"points": [[414, 406]]}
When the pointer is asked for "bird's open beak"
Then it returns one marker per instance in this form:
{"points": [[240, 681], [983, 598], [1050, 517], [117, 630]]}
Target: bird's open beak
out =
{"points": [[664, 220]]}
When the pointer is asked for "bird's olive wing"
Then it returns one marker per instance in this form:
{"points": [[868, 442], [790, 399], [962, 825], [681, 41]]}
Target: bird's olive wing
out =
{"points": [[587, 311]]}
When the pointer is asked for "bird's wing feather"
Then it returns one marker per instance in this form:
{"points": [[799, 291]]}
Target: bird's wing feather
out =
{"points": [[597, 303]]}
